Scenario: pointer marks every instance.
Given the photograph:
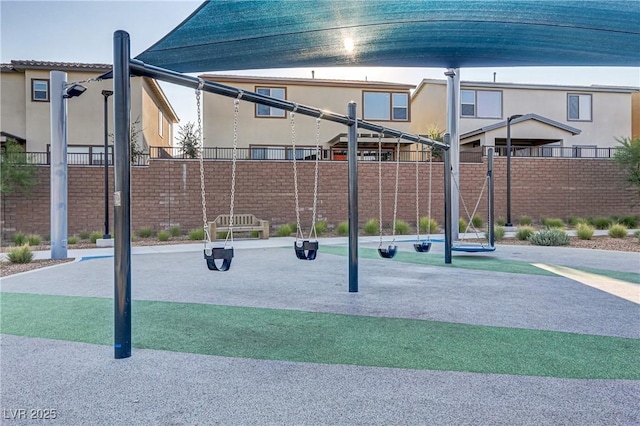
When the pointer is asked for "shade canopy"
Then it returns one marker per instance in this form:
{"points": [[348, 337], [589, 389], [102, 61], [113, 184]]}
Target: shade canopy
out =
{"points": [[233, 35]]}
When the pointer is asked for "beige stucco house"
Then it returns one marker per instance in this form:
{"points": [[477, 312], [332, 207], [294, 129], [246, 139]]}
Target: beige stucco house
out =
{"points": [[265, 132], [565, 120], [25, 112]]}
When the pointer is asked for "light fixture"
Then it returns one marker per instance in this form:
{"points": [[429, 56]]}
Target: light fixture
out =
{"points": [[73, 90]]}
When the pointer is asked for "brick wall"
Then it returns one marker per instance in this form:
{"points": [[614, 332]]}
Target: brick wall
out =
{"points": [[167, 192]]}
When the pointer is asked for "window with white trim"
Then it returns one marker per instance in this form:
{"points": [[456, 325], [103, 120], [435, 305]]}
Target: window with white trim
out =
{"points": [[386, 106], [267, 111], [39, 90], [578, 107], [481, 103], [160, 123]]}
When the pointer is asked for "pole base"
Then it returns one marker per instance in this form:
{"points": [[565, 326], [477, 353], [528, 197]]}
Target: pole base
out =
{"points": [[104, 242]]}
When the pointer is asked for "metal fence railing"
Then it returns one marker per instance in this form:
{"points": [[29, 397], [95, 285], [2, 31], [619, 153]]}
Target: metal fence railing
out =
{"points": [[556, 151]]}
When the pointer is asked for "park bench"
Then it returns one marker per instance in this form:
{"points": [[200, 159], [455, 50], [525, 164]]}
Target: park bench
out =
{"points": [[241, 223]]}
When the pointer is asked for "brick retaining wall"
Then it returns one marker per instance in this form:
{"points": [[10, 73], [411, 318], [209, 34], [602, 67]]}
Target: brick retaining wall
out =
{"points": [[167, 192]]}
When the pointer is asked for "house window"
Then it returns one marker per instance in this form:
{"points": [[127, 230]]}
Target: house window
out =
{"points": [[386, 106], [160, 123], [267, 111], [40, 90], [578, 107], [481, 103]]}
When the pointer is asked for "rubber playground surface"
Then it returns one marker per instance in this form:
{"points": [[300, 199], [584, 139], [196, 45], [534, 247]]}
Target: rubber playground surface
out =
{"points": [[524, 335]]}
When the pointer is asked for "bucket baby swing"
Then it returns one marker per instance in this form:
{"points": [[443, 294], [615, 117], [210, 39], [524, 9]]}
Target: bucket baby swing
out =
{"points": [[391, 249]]}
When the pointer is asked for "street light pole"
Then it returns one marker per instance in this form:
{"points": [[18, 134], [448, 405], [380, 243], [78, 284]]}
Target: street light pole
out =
{"points": [[106, 94], [512, 117]]}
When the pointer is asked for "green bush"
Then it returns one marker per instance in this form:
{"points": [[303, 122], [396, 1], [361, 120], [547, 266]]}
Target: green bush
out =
{"points": [[428, 225], [525, 221], [462, 225], [372, 227], [584, 231], [600, 222], [19, 239], [175, 231], [84, 235], [524, 232], [498, 233], [284, 231], [163, 235], [321, 227], [630, 222], [22, 254], [617, 231], [196, 234], [222, 235], [255, 234], [342, 229], [477, 222], [402, 227], [72, 240], [34, 240], [574, 221], [501, 221], [95, 235], [145, 232], [552, 222], [637, 234], [294, 227], [550, 237]]}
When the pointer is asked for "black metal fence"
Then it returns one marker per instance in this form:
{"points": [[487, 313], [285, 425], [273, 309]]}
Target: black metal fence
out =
{"points": [[556, 152]]}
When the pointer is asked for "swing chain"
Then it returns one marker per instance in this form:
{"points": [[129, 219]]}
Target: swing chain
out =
{"points": [[417, 194], [380, 186], [295, 174], [207, 237], [395, 198], [430, 180], [312, 231], [234, 157]]}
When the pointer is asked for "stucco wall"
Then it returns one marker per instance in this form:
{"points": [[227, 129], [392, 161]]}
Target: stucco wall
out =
{"points": [[167, 192], [12, 104]]}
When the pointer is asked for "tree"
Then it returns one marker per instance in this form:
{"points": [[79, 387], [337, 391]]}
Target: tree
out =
{"points": [[436, 134], [189, 140], [628, 158], [18, 175], [134, 134]]}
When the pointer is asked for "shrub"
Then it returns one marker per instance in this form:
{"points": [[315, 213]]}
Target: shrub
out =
{"points": [[584, 231], [255, 234], [629, 221], [402, 227], [574, 221], [550, 237], [19, 239], [477, 222], [33, 240], [501, 221], [22, 254], [321, 227], [524, 232], [498, 233], [72, 240], [95, 235], [600, 222], [145, 232], [196, 234], [552, 222], [284, 231], [617, 231], [637, 234], [175, 231], [372, 227], [428, 225], [525, 221], [342, 229], [462, 225], [222, 235], [84, 235], [163, 235]]}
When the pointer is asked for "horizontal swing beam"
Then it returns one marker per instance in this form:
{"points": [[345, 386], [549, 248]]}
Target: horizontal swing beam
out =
{"points": [[141, 69]]}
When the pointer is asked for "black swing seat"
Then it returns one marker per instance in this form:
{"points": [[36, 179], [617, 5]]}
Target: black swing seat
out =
{"points": [[422, 246], [307, 250], [474, 249], [389, 252], [219, 253]]}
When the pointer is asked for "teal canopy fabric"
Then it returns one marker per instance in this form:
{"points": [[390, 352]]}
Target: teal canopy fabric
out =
{"points": [[234, 35]]}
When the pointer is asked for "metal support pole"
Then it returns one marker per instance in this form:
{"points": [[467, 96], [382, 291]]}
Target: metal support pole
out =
{"points": [[58, 169], [453, 121], [122, 195], [490, 210], [106, 94], [352, 152], [447, 202]]}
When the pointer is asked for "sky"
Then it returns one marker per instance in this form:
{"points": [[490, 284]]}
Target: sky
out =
{"points": [[82, 31]]}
